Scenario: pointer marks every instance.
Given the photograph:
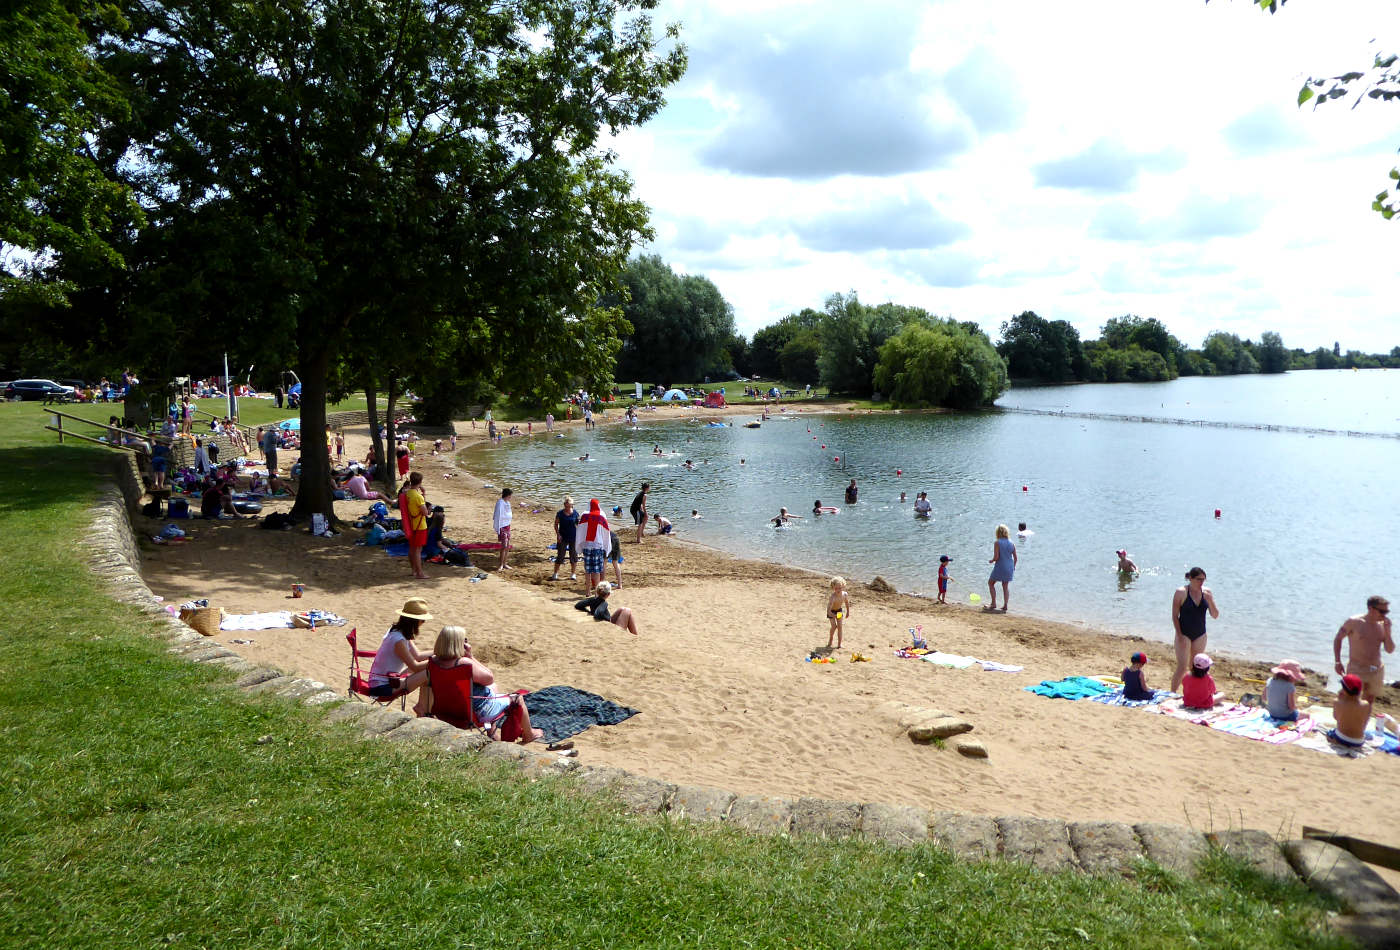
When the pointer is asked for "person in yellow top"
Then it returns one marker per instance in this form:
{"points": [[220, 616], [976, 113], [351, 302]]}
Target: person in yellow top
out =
{"points": [[413, 509]]}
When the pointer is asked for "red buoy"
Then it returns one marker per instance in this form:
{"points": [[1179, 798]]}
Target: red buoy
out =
{"points": [[1024, 488], [899, 471], [1217, 512], [836, 458]]}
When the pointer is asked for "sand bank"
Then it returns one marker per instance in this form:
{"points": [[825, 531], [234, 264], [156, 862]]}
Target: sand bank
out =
{"points": [[726, 698]]}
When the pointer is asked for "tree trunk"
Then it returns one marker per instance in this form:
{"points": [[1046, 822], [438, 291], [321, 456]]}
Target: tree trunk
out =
{"points": [[315, 494], [372, 406], [391, 445]]}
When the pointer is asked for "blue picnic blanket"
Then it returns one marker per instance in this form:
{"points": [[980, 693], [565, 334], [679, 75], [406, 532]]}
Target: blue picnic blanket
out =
{"points": [[562, 711], [1115, 698], [1071, 687]]}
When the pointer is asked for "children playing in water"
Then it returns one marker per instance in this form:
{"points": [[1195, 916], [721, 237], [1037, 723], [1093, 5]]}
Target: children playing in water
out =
{"points": [[943, 562], [838, 608], [1125, 563], [1134, 678], [783, 518], [663, 525]]}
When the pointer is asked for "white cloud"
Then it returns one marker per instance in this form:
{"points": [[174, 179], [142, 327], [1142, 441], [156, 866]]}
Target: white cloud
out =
{"points": [[1083, 160]]}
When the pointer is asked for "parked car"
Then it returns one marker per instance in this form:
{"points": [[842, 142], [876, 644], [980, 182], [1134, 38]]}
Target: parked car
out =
{"points": [[33, 389]]}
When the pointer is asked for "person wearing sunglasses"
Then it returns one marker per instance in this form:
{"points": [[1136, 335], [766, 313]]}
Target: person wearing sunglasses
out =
{"points": [[1365, 634]]}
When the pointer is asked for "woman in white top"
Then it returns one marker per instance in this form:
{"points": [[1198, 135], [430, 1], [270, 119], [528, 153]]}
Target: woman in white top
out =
{"points": [[397, 655]]}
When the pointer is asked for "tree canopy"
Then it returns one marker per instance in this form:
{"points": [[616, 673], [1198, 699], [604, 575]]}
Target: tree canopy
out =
{"points": [[939, 362], [1040, 349], [681, 324]]}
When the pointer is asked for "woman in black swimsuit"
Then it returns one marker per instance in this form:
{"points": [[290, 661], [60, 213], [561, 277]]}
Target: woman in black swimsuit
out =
{"points": [[1189, 607]]}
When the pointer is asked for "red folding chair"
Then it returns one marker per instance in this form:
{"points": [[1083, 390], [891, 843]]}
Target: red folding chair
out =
{"points": [[452, 702], [359, 676]]}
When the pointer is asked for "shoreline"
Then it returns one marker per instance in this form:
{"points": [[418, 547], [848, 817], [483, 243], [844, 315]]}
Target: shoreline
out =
{"points": [[726, 698]]}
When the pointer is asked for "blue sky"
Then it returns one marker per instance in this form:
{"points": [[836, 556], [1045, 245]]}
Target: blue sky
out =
{"points": [[1082, 159]]}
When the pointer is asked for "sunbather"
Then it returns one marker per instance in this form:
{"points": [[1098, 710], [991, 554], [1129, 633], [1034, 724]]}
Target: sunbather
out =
{"points": [[597, 605], [397, 653]]}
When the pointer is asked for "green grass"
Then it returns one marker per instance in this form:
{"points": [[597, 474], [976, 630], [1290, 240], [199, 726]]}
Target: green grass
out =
{"points": [[251, 412], [139, 809]]}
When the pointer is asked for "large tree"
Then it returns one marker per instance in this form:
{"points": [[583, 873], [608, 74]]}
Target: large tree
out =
{"points": [[933, 362], [1039, 349], [56, 197], [1150, 334], [372, 151], [680, 324]]}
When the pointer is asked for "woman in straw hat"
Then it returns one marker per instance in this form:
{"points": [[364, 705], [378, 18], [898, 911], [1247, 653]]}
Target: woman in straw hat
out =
{"points": [[398, 656]]}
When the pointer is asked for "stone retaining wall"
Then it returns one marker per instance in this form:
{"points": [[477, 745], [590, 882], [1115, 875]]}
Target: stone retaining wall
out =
{"points": [[1094, 847]]}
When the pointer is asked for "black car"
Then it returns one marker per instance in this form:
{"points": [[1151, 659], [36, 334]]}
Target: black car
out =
{"points": [[34, 389]]}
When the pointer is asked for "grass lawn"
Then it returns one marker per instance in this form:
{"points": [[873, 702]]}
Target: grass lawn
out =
{"points": [[144, 806]]}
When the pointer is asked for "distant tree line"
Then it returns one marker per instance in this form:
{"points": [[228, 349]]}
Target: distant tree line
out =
{"points": [[1136, 349]]}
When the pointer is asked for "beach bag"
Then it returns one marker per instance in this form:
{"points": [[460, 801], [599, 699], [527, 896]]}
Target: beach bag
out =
{"points": [[205, 620], [318, 524], [277, 521], [453, 556], [151, 509]]}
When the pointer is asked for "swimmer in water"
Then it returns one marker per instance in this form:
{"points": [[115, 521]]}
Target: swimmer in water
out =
{"points": [[1023, 531], [817, 507], [783, 518], [695, 513], [583, 457], [1125, 563]]}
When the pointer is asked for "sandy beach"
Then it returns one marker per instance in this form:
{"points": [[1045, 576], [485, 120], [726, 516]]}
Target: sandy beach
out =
{"points": [[727, 699]]}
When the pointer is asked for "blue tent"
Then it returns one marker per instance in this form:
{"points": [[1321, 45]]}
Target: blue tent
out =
{"points": [[675, 395]]}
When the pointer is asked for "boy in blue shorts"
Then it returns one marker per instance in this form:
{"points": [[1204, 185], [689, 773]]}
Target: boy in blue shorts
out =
{"points": [[943, 579]]}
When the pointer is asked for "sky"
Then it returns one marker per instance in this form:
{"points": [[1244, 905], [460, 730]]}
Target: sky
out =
{"points": [[1083, 159]]}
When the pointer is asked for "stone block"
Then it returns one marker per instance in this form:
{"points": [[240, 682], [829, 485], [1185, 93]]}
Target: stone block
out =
{"points": [[1342, 876], [700, 803], [1172, 847], [968, 746], [235, 664], [211, 652], [943, 728], [1258, 849], [900, 826], [599, 779], [271, 685], [299, 688], [383, 721], [323, 697], [825, 817], [419, 729], [507, 751], [258, 674], [463, 740], [645, 796], [349, 712], [970, 837], [1043, 843], [1104, 847], [539, 764], [761, 814]]}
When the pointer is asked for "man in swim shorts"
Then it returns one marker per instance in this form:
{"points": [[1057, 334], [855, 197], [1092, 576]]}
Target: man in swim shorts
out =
{"points": [[1351, 711], [1366, 634]]}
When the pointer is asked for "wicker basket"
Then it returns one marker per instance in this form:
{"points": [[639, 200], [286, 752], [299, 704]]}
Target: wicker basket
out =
{"points": [[206, 620]]}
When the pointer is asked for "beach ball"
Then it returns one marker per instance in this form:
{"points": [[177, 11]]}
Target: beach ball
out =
{"points": [[974, 598]]}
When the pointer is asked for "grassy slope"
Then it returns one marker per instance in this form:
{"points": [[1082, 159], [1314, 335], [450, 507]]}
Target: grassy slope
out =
{"points": [[139, 809]]}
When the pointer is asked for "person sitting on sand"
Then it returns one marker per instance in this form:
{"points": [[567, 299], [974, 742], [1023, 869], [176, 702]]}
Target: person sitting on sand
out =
{"points": [[398, 655], [1198, 689], [359, 488], [597, 605], [1135, 688], [217, 501], [452, 650], [1281, 691], [1351, 711], [1125, 563]]}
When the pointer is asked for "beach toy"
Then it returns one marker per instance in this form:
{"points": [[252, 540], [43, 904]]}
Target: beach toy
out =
{"points": [[840, 615], [919, 642], [298, 589], [859, 657], [974, 598]]}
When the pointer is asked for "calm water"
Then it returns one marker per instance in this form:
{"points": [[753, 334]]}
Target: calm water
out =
{"points": [[1296, 550]]}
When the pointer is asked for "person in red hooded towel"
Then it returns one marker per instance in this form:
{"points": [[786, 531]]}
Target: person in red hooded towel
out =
{"points": [[594, 541]]}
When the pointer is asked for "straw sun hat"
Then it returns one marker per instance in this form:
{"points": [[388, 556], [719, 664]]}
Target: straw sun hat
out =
{"points": [[416, 609]]}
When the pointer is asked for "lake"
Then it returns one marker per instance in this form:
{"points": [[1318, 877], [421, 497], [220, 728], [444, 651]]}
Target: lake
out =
{"points": [[1291, 555]]}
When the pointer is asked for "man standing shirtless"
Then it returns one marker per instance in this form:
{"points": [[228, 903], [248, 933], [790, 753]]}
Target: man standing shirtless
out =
{"points": [[1367, 633]]}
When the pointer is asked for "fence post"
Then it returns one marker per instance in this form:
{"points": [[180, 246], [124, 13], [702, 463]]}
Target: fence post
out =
{"points": [[58, 424]]}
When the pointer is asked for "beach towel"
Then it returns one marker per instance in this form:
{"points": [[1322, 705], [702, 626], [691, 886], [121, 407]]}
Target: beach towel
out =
{"points": [[990, 667], [1262, 727], [950, 659], [1071, 687], [1116, 698], [562, 711], [264, 621]]}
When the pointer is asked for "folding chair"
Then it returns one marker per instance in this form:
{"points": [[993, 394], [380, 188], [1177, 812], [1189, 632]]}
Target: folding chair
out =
{"points": [[359, 677], [452, 702]]}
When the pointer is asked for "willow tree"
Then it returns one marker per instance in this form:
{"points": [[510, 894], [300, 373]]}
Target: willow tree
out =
{"points": [[408, 149]]}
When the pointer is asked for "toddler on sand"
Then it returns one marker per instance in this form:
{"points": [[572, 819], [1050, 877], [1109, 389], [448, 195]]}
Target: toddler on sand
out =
{"points": [[838, 608], [1134, 678]]}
